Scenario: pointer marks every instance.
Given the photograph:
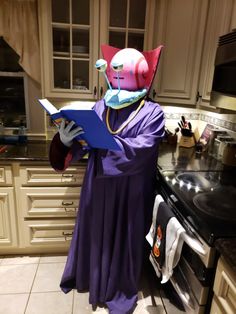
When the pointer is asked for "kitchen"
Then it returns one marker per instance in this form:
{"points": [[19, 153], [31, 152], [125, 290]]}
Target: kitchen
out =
{"points": [[189, 31]]}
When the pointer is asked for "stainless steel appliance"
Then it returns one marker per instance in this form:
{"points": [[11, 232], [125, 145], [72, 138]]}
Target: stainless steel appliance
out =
{"points": [[204, 204], [223, 93]]}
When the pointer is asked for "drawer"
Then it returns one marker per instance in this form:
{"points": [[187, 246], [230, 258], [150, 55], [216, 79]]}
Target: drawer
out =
{"points": [[5, 175], [46, 175], [225, 287], [49, 202], [54, 233]]}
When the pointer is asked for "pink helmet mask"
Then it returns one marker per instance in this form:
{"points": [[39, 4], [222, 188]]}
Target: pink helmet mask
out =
{"points": [[136, 70], [130, 67]]}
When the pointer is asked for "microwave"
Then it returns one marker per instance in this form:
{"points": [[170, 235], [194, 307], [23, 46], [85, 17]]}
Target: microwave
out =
{"points": [[223, 94]]}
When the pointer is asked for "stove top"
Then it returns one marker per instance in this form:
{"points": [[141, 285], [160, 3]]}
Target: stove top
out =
{"points": [[206, 199]]}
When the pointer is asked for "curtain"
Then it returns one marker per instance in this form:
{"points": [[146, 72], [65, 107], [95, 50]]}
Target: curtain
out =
{"points": [[19, 28]]}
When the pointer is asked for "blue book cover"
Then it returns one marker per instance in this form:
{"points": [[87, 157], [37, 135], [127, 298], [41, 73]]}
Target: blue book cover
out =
{"points": [[96, 134]]}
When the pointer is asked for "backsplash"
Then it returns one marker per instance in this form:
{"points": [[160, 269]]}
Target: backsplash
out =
{"points": [[199, 119]]}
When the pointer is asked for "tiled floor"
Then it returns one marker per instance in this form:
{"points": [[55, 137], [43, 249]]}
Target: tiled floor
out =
{"points": [[30, 285]]}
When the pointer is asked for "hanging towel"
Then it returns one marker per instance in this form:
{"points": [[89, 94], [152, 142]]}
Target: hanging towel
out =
{"points": [[165, 238]]}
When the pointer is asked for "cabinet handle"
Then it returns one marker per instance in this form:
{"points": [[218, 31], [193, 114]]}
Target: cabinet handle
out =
{"points": [[67, 235], [67, 175], [101, 91], [154, 94], [73, 209], [95, 91], [66, 203]]}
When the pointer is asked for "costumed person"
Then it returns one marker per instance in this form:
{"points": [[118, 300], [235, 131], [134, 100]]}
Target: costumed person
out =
{"points": [[118, 191]]}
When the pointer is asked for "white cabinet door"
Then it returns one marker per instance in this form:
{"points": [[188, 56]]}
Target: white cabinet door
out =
{"points": [[8, 226], [69, 47], [180, 26], [219, 22]]}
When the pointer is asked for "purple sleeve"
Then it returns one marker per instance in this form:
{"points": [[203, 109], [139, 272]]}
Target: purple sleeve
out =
{"points": [[137, 153], [61, 156]]}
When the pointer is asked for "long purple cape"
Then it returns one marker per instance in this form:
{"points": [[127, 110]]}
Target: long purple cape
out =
{"points": [[116, 202]]}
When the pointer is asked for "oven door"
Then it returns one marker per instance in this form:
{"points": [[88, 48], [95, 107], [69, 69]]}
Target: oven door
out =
{"points": [[189, 289]]}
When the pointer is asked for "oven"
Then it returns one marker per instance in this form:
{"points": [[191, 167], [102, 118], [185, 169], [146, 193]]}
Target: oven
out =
{"points": [[188, 194]]}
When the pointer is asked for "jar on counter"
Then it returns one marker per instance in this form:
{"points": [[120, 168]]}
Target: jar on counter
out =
{"points": [[214, 134], [223, 142], [229, 154]]}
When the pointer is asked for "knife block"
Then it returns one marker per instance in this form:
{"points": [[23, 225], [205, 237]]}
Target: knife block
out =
{"points": [[187, 141]]}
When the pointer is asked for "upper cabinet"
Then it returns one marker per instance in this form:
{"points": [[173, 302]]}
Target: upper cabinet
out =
{"points": [[189, 31], [71, 32], [221, 19], [69, 47], [180, 26]]}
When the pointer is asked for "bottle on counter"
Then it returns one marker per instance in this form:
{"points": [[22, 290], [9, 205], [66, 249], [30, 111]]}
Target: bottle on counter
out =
{"points": [[22, 133], [1, 132]]}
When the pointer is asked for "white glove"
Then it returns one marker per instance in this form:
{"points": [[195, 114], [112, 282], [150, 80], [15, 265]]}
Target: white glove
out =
{"points": [[67, 134]]}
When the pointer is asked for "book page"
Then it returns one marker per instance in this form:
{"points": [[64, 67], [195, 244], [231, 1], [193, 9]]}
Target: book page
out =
{"points": [[48, 106], [79, 105]]}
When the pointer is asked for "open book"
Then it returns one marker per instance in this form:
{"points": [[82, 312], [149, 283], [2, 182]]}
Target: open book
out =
{"points": [[96, 134]]}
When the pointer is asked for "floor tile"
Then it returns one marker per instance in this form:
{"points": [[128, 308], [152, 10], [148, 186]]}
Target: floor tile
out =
{"points": [[81, 303], [13, 303], [19, 260], [17, 278], [48, 277], [50, 303], [53, 259]]}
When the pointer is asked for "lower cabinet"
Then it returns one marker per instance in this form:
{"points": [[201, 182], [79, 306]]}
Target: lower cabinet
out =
{"points": [[224, 300], [8, 225], [39, 207]]}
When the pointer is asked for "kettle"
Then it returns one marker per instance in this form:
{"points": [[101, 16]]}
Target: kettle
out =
{"points": [[229, 154]]}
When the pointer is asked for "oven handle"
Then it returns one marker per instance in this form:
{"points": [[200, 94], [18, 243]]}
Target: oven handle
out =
{"points": [[194, 244]]}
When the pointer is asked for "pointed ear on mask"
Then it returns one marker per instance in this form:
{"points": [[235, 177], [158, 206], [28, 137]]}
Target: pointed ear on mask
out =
{"points": [[153, 58]]}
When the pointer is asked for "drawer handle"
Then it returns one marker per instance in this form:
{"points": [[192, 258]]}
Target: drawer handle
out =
{"points": [[73, 209], [67, 175], [67, 203], [67, 235]]}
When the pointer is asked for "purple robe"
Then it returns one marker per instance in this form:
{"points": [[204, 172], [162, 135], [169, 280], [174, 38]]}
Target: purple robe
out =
{"points": [[115, 212]]}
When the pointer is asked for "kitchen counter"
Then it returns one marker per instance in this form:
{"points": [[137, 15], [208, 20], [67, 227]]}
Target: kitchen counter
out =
{"points": [[227, 248], [173, 157], [170, 156], [30, 151]]}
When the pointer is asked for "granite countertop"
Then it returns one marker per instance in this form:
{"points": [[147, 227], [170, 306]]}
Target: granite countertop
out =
{"points": [[173, 157], [30, 151], [227, 248]]}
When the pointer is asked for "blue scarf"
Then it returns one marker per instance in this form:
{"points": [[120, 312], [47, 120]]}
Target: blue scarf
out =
{"points": [[118, 99]]}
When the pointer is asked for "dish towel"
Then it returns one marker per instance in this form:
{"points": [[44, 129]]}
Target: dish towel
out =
{"points": [[166, 240]]}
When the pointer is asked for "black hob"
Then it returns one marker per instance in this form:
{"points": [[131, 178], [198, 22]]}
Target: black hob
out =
{"points": [[206, 199]]}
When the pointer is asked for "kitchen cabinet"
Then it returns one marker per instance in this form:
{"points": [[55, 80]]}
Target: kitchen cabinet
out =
{"points": [[180, 28], [219, 22], [189, 31], [71, 33], [224, 300], [8, 224], [46, 205]]}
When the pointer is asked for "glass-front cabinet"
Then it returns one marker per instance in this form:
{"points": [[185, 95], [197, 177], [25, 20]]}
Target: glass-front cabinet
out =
{"points": [[71, 32]]}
